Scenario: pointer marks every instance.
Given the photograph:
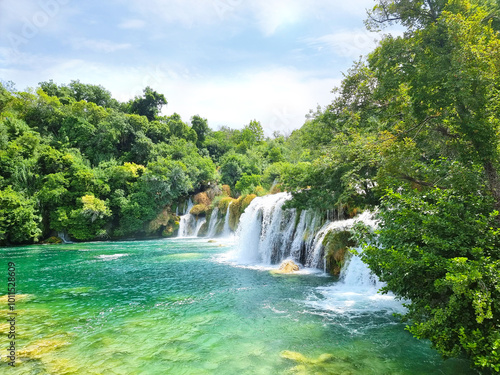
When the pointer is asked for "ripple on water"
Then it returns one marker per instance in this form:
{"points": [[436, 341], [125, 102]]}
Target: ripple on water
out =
{"points": [[179, 307]]}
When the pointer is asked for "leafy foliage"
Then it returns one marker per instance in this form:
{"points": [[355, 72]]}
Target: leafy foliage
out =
{"points": [[95, 168]]}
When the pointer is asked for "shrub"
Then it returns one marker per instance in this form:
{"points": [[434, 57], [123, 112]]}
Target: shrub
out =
{"points": [[259, 191], [226, 189], [202, 198]]}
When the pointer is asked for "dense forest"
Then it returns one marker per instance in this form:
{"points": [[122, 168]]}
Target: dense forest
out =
{"points": [[76, 161], [412, 132]]}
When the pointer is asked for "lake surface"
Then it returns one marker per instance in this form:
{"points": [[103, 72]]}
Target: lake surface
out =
{"points": [[174, 307]]}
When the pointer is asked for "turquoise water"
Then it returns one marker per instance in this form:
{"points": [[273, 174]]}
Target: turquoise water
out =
{"points": [[171, 307]]}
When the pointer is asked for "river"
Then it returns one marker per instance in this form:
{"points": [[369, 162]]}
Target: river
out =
{"points": [[183, 306]]}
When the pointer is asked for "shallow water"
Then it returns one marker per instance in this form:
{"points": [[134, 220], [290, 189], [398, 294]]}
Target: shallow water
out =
{"points": [[173, 307]]}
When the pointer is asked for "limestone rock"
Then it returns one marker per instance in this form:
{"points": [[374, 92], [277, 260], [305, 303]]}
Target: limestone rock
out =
{"points": [[287, 266]]}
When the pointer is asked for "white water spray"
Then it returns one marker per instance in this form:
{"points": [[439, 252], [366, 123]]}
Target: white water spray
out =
{"points": [[356, 293]]}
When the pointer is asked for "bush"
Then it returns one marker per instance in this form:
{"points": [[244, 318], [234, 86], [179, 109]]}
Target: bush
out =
{"points": [[224, 203], [18, 218], [226, 189], [259, 191], [247, 183], [202, 198]]}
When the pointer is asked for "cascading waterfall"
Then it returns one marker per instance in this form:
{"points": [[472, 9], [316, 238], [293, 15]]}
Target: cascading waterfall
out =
{"points": [[356, 274], [187, 222], [259, 229], [64, 237], [356, 293], [212, 226], [299, 236], [199, 224], [227, 230], [269, 234], [316, 256]]}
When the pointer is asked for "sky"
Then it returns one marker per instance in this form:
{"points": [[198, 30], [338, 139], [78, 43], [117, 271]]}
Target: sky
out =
{"points": [[229, 61]]}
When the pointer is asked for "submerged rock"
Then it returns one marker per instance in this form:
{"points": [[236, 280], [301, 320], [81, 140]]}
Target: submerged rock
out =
{"points": [[41, 347], [53, 240], [301, 358], [17, 298], [324, 364]]}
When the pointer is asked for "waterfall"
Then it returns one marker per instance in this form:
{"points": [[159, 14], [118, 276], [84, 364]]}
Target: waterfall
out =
{"points": [[187, 221], [268, 234], [199, 224], [212, 225], [259, 230], [64, 237], [227, 230], [316, 256], [356, 293], [299, 236], [356, 274]]}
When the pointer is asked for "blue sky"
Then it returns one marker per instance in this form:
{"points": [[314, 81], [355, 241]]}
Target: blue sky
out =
{"points": [[229, 61]]}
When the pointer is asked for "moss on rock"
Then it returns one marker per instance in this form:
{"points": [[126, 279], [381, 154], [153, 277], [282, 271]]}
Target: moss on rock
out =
{"points": [[226, 189], [276, 189], [237, 207], [203, 229], [202, 198], [259, 191], [161, 220], [336, 245], [224, 203], [199, 209], [53, 240]]}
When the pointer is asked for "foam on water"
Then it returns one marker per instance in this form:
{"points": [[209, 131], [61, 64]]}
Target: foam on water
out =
{"points": [[355, 293]]}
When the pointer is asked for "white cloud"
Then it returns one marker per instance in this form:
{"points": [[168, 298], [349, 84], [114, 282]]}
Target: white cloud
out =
{"points": [[278, 97], [267, 15], [351, 43], [271, 15], [134, 24], [105, 46], [28, 18], [347, 43], [186, 12]]}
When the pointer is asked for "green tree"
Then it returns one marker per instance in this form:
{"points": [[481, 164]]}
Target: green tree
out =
{"points": [[438, 250], [438, 238], [180, 129], [200, 126], [247, 183], [88, 222], [148, 105], [19, 220]]}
